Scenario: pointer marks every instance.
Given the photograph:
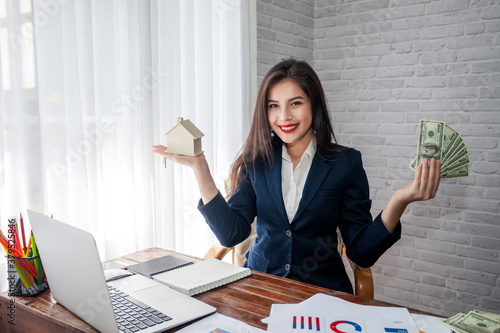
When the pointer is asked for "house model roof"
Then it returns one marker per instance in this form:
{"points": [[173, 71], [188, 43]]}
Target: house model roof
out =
{"points": [[189, 126]]}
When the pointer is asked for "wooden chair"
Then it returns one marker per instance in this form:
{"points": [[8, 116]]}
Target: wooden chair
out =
{"points": [[363, 279], [219, 252]]}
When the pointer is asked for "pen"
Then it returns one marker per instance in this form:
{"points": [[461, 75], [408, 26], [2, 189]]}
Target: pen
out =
{"points": [[14, 253], [22, 233], [13, 233], [21, 274], [28, 248], [38, 264]]}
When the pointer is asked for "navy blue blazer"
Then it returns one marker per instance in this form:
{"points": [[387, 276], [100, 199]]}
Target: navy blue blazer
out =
{"points": [[336, 193]]}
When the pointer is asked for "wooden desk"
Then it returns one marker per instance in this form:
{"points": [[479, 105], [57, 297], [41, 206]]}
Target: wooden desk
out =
{"points": [[248, 300]]}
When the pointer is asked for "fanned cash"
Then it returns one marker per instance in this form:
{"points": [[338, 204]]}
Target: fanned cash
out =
{"points": [[474, 322], [438, 140]]}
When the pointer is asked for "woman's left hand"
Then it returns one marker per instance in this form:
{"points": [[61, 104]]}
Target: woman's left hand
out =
{"points": [[423, 187], [425, 183]]}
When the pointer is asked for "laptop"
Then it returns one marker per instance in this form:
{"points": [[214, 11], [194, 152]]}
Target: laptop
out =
{"points": [[76, 279]]}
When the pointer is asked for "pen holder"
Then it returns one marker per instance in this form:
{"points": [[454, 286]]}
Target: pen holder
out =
{"points": [[26, 276]]}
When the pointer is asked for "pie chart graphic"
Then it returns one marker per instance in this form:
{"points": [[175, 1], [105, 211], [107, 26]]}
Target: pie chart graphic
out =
{"points": [[353, 326]]}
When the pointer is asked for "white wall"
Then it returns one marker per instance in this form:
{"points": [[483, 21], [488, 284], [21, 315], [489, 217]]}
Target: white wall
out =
{"points": [[384, 65]]}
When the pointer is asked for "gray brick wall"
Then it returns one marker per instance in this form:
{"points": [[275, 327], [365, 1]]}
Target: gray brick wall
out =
{"points": [[284, 29], [386, 64]]}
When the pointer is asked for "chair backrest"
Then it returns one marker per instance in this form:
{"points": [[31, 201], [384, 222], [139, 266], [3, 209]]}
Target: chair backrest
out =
{"points": [[238, 252], [363, 279]]}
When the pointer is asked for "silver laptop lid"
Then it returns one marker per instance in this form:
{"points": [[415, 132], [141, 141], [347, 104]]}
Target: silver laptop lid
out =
{"points": [[73, 269]]}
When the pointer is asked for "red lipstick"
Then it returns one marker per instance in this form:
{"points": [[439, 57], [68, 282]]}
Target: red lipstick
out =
{"points": [[288, 128]]}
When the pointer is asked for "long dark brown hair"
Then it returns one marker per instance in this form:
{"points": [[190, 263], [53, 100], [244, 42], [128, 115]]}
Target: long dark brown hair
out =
{"points": [[258, 145]]}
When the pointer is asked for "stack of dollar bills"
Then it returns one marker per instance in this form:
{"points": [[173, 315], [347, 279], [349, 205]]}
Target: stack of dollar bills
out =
{"points": [[474, 322], [437, 139]]}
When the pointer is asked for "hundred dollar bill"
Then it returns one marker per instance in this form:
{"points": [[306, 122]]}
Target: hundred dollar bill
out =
{"points": [[450, 322], [455, 329], [430, 140], [458, 147], [450, 135], [474, 322], [490, 315], [413, 164], [454, 318], [459, 159], [460, 172], [438, 140], [453, 147]]}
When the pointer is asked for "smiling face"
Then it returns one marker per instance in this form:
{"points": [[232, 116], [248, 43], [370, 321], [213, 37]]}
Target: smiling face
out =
{"points": [[290, 115]]}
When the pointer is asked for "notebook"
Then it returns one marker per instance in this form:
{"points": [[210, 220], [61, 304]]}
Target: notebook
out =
{"points": [[76, 279], [159, 265], [202, 276]]}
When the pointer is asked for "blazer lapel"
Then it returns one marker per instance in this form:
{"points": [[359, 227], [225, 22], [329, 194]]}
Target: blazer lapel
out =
{"points": [[273, 180], [317, 173]]}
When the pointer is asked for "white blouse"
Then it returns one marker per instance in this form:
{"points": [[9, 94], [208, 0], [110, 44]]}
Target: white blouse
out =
{"points": [[293, 181]]}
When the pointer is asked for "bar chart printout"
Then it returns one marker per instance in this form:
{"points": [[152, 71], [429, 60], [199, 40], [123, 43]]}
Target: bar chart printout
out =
{"points": [[306, 324], [329, 314], [317, 324]]}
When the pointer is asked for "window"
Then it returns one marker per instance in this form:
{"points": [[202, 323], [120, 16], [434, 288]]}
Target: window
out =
{"points": [[17, 39]]}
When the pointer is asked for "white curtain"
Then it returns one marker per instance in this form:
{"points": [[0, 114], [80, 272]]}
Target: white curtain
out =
{"points": [[87, 87]]}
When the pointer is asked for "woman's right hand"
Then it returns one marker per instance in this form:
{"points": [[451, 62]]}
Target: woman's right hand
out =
{"points": [[190, 161]]}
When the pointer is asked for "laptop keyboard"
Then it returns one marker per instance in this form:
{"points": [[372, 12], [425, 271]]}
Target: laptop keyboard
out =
{"points": [[131, 314]]}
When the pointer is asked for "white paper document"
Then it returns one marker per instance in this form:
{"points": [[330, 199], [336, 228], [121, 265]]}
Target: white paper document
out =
{"points": [[323, 313], [218, 323], [430, 324]]}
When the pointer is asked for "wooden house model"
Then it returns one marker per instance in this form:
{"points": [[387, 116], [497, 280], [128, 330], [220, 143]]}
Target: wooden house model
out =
{"points": [[184, 138]]}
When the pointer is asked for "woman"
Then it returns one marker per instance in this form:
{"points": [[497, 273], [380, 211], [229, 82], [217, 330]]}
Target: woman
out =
{"points": [[301, 185]]}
